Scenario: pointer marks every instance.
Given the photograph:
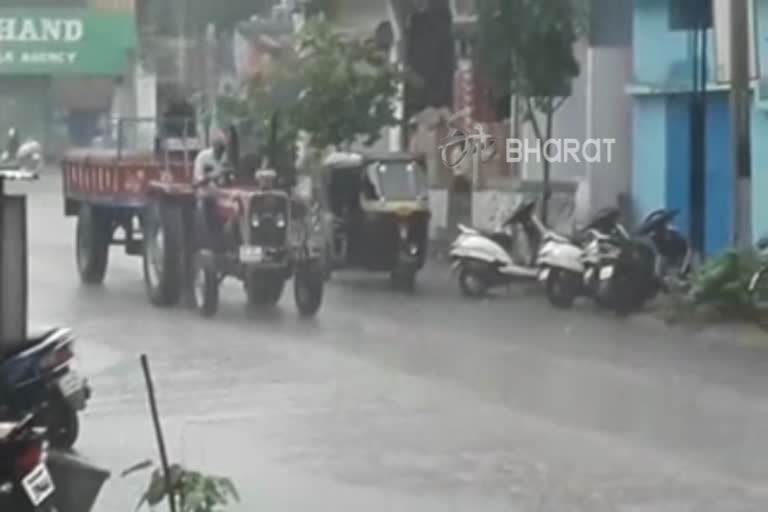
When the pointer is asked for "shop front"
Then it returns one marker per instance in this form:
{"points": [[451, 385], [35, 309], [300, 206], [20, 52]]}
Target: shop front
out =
{"points": [[58, 68]]}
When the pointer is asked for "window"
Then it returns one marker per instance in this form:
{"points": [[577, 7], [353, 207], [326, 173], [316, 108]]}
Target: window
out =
{"points": [[690, 14]]}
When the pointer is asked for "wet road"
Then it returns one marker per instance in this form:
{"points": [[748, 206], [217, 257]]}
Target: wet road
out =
{"points": [[419, 403]]}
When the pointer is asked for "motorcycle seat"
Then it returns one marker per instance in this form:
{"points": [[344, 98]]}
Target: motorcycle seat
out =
{"points": [[35, 335]]}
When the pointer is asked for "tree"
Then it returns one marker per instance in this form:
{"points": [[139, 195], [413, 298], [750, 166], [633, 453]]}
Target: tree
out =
{"points": [[347, 87], [525, 48], [335, 88]]}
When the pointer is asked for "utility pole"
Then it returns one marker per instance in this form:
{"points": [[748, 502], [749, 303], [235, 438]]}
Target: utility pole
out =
{"points": [[740, 145], [697, 127]]}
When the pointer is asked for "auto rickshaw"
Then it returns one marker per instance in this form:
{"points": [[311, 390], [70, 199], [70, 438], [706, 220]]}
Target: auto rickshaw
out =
{"points": [[379, 204]]}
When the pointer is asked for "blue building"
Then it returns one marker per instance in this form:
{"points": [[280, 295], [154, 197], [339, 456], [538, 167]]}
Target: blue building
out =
{"points": [[664, 60]]}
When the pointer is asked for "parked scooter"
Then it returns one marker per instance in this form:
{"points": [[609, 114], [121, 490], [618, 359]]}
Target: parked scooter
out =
{"points": [[25, 482], [622, 270], [485, 260], [561, 264], [37, 375], [27, 155], [674, 253]]}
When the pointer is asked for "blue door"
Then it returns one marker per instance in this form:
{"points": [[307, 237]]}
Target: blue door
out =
{"points": [[719, 182]]}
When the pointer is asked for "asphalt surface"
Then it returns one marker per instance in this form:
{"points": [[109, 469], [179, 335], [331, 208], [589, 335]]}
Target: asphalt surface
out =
{"points": [[407, 403]]}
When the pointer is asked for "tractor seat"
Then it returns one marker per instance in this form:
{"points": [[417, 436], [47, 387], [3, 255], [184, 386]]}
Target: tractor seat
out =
{"points": [[35, 335]]}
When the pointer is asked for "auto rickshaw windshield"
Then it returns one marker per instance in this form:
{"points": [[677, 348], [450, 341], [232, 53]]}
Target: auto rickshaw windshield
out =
{"points": [[397, 181]]}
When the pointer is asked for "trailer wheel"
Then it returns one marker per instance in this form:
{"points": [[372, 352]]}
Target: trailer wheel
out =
{"points": [[94, 233], [163, 246]]}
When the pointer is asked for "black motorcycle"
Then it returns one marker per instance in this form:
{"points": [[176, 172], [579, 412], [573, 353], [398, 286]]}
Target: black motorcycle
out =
{"points": [[673, 250], [620, 268], [37, 374], [25, 482]]}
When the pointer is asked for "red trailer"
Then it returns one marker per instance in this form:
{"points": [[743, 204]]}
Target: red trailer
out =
{"points": [[119, 194]]}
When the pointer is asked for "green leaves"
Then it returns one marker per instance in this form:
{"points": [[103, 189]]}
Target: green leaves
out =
{"points": [[719, 290], [525, 47], [348, 88], [336, 88], [193, 491]]}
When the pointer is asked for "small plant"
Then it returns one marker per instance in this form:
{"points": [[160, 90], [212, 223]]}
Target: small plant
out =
{"points": [[719, 290], [193, 491]]}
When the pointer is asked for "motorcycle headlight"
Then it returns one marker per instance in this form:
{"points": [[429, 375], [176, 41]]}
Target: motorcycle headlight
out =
{"points": [[255, 221], [280, 221]]}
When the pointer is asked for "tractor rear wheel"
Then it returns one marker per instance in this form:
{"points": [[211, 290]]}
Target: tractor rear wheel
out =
{"points": [[163, 251]]}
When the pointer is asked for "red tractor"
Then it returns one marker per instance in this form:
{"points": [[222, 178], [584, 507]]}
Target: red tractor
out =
{"points": [[259, 232]]}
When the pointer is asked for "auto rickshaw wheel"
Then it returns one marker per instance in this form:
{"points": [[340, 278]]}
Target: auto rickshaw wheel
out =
{"points": [[264, 288], [163, 250], [94, 233], [308, 285], [205, 286]]}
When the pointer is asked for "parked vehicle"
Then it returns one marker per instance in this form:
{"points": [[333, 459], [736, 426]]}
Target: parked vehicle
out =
{"points": [[27, 155], [561, 264], [37, 374], [674, 253], [484, 260], [380, 208], [758, 286], [623, 273], [25, 482]]}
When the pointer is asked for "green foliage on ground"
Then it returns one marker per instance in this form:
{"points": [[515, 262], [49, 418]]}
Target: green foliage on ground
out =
{"points": [[718, 290], [193, 491]]}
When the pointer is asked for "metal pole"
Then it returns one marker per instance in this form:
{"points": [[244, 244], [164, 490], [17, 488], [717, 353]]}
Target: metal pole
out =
{"points": [[740, 147], [158, 432], [694, 176], [702, 181]]}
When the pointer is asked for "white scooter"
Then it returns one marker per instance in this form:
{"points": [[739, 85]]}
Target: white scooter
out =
{"points": [[485, 260], [561, 264]]}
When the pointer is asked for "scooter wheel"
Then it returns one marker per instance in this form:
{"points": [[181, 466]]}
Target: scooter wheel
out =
{"points": [[471, 283], [560, 289]]}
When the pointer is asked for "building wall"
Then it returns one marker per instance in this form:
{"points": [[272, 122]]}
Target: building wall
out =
{"points": [[598, 108], [663, 68], [663, 58], [759, 203], [649, 146]]}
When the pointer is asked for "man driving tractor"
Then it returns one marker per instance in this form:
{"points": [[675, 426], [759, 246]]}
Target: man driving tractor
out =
{"points": [[208, 164]]}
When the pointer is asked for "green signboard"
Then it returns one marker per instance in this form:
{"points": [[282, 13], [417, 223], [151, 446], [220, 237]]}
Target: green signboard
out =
{"points": [[65, 41]]}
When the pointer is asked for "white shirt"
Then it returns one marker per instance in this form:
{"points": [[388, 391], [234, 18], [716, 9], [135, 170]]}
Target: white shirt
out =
{"points": [[205, 159]]}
